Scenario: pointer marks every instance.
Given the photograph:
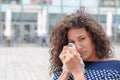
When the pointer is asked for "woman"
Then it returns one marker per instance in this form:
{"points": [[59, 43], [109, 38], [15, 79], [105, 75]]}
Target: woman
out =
{"points": [[91, 45]]}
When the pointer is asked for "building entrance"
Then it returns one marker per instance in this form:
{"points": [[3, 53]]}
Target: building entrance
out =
{"points": [[29, 35]]}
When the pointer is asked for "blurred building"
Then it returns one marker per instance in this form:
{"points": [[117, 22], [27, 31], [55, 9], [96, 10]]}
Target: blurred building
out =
{"points": [[24, 19]]}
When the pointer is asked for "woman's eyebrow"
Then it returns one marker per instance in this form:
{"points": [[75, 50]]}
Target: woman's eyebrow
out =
{"points": [[80, 36]]}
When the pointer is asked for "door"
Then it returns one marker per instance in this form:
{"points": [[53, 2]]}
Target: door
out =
{"points": [[26, 35]]}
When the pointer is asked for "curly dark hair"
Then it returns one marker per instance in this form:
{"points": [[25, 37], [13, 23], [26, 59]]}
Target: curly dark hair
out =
{"points": [[79, 19]]}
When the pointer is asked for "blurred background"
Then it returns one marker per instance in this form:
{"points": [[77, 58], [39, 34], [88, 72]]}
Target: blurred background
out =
{"points": [[25, 27], [30, 21]]}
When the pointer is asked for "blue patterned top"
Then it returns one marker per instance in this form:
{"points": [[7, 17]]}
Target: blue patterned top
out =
{"points": [[98, 70]]}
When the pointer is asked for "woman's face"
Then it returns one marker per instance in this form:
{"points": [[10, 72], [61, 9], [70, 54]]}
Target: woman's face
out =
{"points": [[83, 42]]}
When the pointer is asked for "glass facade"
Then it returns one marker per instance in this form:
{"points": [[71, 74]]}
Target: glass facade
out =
{"points": [[11, 1], [106, 3], [25, 16]]}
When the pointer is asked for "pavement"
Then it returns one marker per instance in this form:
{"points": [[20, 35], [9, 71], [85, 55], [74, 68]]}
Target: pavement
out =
{"points": [[28, 62], [24, 63]]}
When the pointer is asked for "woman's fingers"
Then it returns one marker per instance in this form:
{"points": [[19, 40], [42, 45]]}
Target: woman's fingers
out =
{"points": [[74, 51], [69, 53], [70, 58]]}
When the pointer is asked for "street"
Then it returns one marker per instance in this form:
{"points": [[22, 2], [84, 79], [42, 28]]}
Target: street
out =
{"points": [[27, 63], [24, 63]]}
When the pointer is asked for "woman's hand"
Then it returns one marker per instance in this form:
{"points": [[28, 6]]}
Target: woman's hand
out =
{"points": [[71, 59]]}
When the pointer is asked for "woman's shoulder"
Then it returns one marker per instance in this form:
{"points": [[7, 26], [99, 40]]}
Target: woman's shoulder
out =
{"points": [[117, 59], [112, 60], [111, 63], [108, 60]]}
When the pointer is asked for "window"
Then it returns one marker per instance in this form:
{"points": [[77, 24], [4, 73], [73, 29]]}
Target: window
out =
{"points": [[27, 17], [108, 3], [5, 1], [41, 1], [11, 1], [15, 1], [103, 18], [118, 3]]}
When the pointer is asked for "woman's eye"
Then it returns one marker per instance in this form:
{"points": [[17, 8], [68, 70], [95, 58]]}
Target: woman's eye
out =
{"points": [[81, 39]]}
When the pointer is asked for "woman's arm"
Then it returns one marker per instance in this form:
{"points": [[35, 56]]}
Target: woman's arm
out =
{"points": [[78, 75], [64, 75]]}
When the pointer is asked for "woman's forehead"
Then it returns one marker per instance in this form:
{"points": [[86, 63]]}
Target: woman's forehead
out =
{"points": [[80, 31]]}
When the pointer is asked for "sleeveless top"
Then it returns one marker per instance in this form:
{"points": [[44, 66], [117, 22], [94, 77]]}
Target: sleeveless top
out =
{"points": [[98, 70]]}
